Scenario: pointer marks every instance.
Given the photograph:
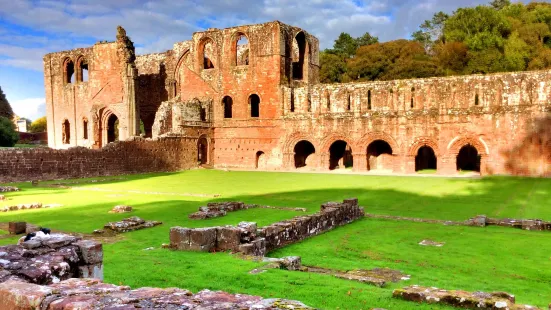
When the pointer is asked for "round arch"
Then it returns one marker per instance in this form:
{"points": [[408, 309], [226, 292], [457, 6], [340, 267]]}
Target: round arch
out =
{"points": [[240, 55], [458, 142], [302, 150], [293, 139], [204, 60], [107, 126], [422, 142], [369, 138], [203, 150], [340, 155], [68, 69]]}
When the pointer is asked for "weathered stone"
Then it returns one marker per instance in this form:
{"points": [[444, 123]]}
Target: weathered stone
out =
{"points": [[121, 209], [179, 238], [130, 224], [58, 240], [255, 248], [291, 263], [203, 239], [228, 238], [461, 299], [22, 296], [16, 228], [431, 243], [91, 252], [91, 271]]}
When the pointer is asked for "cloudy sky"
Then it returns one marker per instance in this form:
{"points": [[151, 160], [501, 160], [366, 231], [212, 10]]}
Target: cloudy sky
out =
{"points": [[31, 28]]}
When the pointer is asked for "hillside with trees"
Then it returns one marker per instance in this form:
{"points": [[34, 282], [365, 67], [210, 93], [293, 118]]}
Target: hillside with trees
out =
{"points": [[498, 37]]}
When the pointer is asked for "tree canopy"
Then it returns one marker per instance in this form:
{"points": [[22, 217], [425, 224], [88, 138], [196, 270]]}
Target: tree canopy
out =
{"points": [[39, 125], [498, 37], [8, 135], [5, 108]]}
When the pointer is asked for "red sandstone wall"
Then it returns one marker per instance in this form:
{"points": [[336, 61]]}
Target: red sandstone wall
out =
{"points": [[135, 156]]}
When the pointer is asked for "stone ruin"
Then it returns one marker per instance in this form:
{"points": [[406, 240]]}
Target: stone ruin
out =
{"points": [[121, 209], [218, 209], [460, 299], [530, 224], [6, 189], [248, 240], [126, 225], [47, 261], [93, 294], [29, 206]]}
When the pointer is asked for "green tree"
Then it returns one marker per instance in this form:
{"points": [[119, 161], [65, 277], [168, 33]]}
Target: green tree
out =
{"points": [[500, 4], [451, 57], [8, 135], [366, 39], [5, 108], [345, 45], [333, 67], [39, 125], [517, 53], [431, 31]]}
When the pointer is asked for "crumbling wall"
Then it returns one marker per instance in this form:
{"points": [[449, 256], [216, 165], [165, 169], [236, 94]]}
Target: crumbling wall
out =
{"points": [[47, 261], [94, 294], [247, 239], [134, 156]]}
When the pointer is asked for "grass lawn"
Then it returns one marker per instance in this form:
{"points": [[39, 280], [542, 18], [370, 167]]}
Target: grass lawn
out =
{"points": [[489, 259]]}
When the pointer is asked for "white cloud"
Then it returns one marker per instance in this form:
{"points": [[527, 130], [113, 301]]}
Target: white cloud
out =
{"points": [[31, 108]]}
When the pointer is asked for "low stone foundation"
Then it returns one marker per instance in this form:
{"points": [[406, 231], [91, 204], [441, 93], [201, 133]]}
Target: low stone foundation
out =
{"points": [[218, 209], [530, 224], [121, 209], [5, 189], [460, 299], [128, 224], [247, 239], [29, 206], [93, 294], [47, 261]]}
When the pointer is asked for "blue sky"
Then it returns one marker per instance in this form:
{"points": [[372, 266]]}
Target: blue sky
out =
{"points": [[29, 29]]}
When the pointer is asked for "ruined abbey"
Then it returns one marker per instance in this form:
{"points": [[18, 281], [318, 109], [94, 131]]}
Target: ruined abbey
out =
{"points": [[249, 97]]}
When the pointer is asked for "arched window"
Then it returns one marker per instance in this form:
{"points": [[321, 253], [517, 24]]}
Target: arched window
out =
{"points": [[68, 71], [254, 102], [82, 70], [207, 52], [369, 99], [228, 104], [242, 51], [299, 48], [309, 104], [85, 129], [66, 132], [476, 99], [348, 103]]}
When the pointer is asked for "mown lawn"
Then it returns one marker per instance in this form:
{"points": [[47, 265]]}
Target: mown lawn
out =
{"points": [[487, 259]]}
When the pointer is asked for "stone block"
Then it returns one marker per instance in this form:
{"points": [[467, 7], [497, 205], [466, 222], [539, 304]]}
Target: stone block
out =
{"points": [[94, 271], [22, 296], [16, 228], [57, 240], [91, 252], [291, 263], [351, 201], [479, 220], [255, 248], [228, 238], [121, 209], [203, 239], [179, 238]]}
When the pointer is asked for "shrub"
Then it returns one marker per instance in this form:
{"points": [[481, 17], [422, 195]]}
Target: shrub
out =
{"points": [[8, 135]]}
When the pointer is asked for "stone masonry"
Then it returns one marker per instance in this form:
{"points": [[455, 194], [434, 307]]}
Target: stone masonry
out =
{"points": [[248, 240], [260, 105], [51, 260], [93, 294]]}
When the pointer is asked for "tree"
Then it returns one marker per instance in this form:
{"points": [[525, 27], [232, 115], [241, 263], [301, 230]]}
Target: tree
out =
{"points": [[500, 4], [5, 108], [333, 67], [431, 30], [366, 39], [451, 57], [345, 45], [8, 135], [39, 125]]}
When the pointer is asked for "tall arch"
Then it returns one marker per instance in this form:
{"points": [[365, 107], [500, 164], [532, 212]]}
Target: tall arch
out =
{"points": [[207, 53], [254, 105], [260, 160], [68, 71], [82, 69], [298, 55], [66, 132], [241, 50], [227, 103], [179, 74], [379, 155]]}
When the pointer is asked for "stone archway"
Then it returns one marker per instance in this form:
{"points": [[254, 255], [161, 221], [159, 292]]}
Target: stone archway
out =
{"points": [[260, 160], [425, 159], [340, 155], [468, 159], [379, 156], [112, 128], [202, 151], [302, 150]]}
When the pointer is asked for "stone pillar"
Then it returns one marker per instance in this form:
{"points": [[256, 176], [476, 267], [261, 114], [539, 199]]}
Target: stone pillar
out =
{"points": [[446, 164], [360, 162]]}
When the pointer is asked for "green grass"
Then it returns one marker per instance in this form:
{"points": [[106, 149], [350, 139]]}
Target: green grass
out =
{"points": [[488, 259]]}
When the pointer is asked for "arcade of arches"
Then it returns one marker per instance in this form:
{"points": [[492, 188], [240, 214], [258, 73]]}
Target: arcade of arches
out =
{"points": [[380, 156]]}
